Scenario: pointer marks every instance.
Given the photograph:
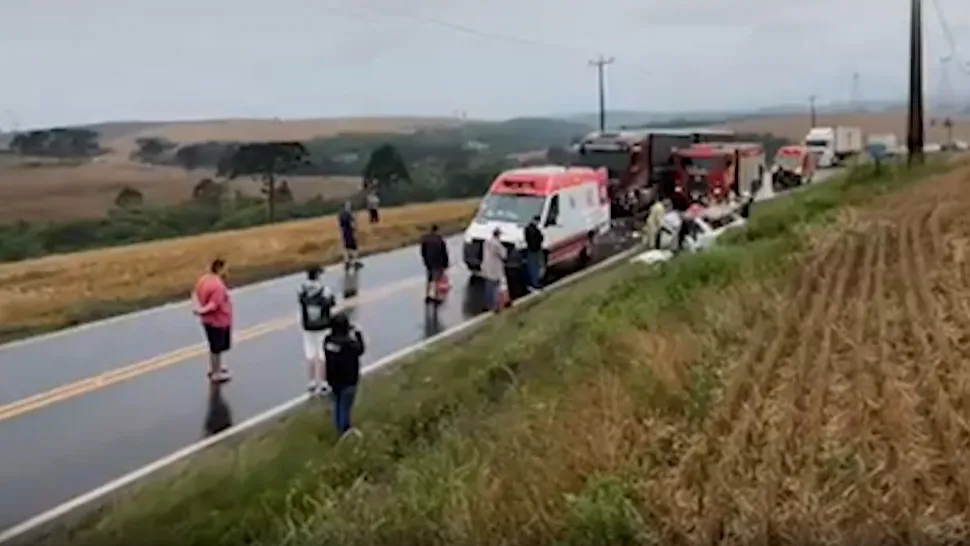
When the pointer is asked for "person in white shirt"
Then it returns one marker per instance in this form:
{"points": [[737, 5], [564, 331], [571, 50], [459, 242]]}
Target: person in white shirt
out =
{"points": [[494, 255], [316, 305]]}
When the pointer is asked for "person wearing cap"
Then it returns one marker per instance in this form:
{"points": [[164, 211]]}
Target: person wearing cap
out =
{"points": [[494, 255]]}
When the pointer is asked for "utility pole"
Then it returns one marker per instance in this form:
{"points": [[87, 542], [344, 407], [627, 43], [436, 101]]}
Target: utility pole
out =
{"points": [[811, 111], [600, 65], [914, 135], [855, 98]]}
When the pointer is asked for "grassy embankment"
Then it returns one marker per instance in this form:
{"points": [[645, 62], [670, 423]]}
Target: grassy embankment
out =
{"points": [[724, 397], [63, 290]]}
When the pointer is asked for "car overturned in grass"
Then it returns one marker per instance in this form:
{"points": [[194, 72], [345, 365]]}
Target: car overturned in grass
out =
{"points": [[700, 232]]}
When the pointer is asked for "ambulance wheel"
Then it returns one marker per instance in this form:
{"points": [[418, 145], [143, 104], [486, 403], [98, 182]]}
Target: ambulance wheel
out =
{"points": [[586, 255]]}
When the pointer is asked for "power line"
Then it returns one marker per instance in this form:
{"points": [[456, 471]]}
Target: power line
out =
{"points": [[949, 38]]}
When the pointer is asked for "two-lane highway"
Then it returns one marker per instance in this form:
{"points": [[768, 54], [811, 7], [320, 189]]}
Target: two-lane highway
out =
{"points": [[85, 406], [82, 407]]}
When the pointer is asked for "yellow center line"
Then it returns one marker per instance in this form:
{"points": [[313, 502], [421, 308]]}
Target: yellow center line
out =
{"points": [[118, 375]]}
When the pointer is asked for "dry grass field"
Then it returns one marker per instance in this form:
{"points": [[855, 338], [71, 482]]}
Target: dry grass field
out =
{"points": [[71, 190], [65, 192], [32, 293], [795, 127], [269, 129]]}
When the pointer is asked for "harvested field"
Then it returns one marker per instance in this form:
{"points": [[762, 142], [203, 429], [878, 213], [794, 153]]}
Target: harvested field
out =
{"points": [[794, 127], [110, 281], [66, 192], [244, 129], [844, 411]]}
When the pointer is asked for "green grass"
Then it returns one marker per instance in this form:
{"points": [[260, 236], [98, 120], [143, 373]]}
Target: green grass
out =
{"points": [[510, 437]]}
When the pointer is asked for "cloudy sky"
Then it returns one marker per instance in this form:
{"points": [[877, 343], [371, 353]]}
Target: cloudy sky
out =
{"points": [[70, 61]]}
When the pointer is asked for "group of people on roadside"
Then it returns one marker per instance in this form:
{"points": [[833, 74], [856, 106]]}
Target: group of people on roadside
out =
{"points": [[675, 216], [332, 345]]}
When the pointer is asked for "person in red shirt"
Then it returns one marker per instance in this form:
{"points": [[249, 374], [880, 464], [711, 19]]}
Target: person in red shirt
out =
{"points": [[213, 307]]}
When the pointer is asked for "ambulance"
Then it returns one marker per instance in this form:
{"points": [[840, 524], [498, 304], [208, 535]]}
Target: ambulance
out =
{"points": [[572, 205]]}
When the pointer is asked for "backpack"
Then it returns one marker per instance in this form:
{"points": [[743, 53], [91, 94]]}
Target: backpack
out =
{"points": [[316, 305]]}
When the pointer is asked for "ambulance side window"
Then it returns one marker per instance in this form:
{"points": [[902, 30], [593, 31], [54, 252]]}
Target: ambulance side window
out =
{"points": [[552, 218]]}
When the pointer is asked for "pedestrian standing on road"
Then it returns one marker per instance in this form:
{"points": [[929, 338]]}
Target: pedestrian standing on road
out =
{"points": [[213, 307], [651, 229], [373, 206], [348, 232], [494, 255], [316, 304], [434, 254], [343, 347], [534, 255]]}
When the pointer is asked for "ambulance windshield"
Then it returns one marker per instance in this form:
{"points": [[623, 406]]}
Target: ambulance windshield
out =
{"points": [[517, 209]]}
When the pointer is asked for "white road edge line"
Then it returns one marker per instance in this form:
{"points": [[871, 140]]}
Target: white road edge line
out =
{"points": [[51, 516]]}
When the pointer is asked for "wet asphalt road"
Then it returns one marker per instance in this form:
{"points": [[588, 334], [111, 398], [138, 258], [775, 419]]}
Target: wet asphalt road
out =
{"points": [[63, 446], [68, 442]]}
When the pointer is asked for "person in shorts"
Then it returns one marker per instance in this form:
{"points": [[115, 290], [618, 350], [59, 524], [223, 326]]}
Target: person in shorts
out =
{"points": [[348, 233], [214, 309], [434, 255], [316, 305]]}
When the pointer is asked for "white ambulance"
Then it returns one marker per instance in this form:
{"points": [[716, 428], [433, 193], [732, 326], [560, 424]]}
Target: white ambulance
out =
{"points": [[571, 202]]}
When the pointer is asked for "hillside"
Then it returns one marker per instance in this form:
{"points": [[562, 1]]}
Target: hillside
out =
{"points": [[794, 127], [270, 129]]}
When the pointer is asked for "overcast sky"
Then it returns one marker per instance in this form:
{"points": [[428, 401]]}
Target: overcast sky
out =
{"points": [[70, 61]]}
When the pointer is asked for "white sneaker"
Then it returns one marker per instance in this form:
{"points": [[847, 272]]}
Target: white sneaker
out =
{"points": [[313, 387], [222, 376], [323, 389]]}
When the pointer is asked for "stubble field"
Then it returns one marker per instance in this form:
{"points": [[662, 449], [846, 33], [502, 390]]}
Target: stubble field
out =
{"points": [[844, 412]]}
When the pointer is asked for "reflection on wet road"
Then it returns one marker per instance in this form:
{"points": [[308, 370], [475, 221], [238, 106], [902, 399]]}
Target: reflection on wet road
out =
{"points": [[75, 413]]}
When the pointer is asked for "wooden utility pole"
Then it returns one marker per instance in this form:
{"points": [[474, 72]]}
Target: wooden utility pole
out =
{"points": [[811, 111], [915, 130], [600, 65]]}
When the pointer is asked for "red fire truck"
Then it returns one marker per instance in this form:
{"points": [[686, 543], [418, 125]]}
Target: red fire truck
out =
{"points": [[640, 159], [715, 173]]}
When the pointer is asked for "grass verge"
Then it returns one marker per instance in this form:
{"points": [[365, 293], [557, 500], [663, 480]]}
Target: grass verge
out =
{"points": [[631, 409], [64, 290]]}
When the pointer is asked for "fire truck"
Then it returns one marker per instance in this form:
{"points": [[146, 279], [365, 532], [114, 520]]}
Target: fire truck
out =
{"points": [[716, 173], [641, 159]]}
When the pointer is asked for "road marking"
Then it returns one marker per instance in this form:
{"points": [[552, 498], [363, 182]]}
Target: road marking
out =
{"points": [[236, 292], [118, 375], [51, 517], [38, 523]]}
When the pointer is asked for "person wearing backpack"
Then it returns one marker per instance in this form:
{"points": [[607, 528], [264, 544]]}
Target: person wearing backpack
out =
{"points": [[343, 348], [316, 305]]}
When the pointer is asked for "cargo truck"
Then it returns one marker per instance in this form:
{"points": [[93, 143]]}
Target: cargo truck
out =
{"points": [[640, 161], [833, 145]]}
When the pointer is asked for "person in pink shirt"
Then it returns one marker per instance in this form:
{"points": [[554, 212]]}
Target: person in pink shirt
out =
{"points": [[213, 307]]}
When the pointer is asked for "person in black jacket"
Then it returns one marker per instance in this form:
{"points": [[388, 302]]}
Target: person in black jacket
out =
{"points": [[316, 304], [534, 254], [343, 348], [434, 254]]}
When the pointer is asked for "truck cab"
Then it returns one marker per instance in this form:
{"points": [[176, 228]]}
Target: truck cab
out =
{"points": [[714, 173], [792, 167]]}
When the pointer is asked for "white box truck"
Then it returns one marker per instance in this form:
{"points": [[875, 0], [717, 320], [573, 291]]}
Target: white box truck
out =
{"points": [[833, 145]]}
